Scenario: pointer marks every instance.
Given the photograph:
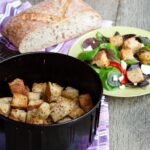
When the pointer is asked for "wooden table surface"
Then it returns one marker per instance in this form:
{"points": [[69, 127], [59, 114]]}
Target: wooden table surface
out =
{"points": [[129, 117]]}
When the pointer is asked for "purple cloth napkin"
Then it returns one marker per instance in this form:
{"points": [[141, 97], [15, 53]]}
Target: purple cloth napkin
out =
{"points": [[9, 8]]}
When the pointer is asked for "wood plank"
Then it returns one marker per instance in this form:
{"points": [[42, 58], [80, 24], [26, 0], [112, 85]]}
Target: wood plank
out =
{"points": [[129, 123], [107, 8], [134, 13], [130, 117]]}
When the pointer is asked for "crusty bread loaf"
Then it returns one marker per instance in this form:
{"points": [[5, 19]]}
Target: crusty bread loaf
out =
{"points": [[49, 23]]}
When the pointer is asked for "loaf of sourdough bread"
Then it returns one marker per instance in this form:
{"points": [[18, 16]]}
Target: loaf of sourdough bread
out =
{"points": [[49, 23]]}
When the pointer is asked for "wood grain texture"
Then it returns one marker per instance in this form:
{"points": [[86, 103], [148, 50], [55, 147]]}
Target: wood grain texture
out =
{"points": [[107, 8], [129, 117], [134, 13], [129, 123]]}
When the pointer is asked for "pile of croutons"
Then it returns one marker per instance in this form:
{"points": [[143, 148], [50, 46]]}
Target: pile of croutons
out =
{"points": [[46, 103]]}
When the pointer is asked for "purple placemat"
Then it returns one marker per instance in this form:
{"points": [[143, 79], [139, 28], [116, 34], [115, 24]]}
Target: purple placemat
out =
{"points": [[10, 8]]}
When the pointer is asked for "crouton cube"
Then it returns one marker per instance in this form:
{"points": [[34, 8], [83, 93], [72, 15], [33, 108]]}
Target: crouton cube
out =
{"points": [[31, 114], [144, 56], [135, 75], [5, 106], [66, 119], [52, 105], [62, 109], [4, 109], [5, 99], [38, 115], [53, 91], [34, 96], [76, 113], [18, 115], [116, 40], [43, 111], [39, 88], [70, 93], [19, 101], [17, 86], [36, 120], [132, 44], [85, 101], [34, 104], [49, 120], [126, 54], [101, 59]]}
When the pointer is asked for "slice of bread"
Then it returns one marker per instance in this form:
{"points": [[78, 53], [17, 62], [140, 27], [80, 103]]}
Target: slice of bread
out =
{"points": [[49, 23]]}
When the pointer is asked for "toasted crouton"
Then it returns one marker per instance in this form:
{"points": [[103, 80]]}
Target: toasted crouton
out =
{"points": [[66, 119], [85, 101], [5, 109], [144, 56], [53, 91], [36, 120], [19, 101], [62, 109], [70, 92], [38, 115], [101, 59], [52, 105], [18, 115], [116, 40], [17, 86], [49, 120], [43, 111], [132, 44], [76, 113], [5, 99], [39, 88], [135, 75], [34, 96], [5, 106], [34, 104], [126, 54], [31, 114]]}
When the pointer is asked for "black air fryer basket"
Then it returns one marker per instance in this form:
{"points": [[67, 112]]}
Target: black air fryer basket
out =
{"points": [[66, 71]]}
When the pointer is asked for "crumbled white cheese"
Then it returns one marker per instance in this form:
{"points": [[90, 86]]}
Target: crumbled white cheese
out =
{"points": [[145, 69], [115, 78], [142, 45], [121, 78], [89, 48], [123, 64], [122, 87]]}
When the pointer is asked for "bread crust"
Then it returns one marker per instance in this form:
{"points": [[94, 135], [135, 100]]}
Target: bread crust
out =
{"points": [[42, 15]]}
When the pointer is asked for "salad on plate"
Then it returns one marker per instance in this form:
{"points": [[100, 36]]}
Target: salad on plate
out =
{"points": [[122, 60]]}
